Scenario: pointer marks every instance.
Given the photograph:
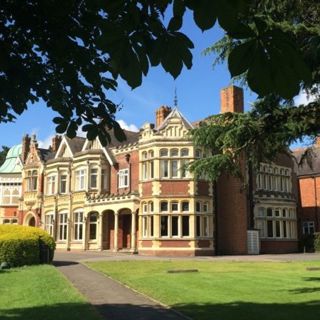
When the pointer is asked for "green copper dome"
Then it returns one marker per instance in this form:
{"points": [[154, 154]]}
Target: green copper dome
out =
{"points": [[12, 163]]}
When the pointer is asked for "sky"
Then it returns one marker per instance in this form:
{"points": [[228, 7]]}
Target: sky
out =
{"points": [[198, 93]]}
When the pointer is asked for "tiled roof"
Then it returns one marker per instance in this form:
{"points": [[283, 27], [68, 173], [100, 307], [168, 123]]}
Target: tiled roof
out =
{"points": [[132, 137], [75, 144]]}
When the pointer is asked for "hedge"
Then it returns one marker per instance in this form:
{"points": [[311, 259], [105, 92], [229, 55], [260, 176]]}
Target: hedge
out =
{"points": [[317, 242], [21, 245]]}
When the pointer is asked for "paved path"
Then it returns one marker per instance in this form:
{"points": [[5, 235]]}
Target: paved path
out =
{"points": [[113, 300]]}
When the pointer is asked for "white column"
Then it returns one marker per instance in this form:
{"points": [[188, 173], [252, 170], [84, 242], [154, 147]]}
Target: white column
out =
{"points": [[99, 181], [85, 230], [99, 231], [133, 231], [115, 232]]}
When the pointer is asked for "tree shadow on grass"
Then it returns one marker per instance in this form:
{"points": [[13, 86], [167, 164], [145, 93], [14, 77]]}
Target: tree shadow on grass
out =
{"points": [[221, 311], [240, 310], [305, 290], [312, 279]]}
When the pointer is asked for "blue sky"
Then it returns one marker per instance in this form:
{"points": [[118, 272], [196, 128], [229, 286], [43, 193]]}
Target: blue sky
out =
{"points": [[198, 92]]}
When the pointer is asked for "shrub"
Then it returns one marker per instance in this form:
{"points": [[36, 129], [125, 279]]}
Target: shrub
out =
{"points": [[317, 242], [21, 245], [307, 243]]}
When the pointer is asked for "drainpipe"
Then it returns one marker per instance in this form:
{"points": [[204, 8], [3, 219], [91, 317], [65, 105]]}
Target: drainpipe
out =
{"points": [[316, 203], [216, 219], [250, 198]]}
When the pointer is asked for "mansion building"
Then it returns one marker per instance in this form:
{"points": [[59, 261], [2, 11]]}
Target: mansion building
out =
{"points": [[137, 195]]}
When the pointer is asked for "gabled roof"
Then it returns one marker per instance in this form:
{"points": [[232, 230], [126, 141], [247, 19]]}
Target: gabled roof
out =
{"points": [[45, 154], [74, 145], [175, 113], [12, 164]]}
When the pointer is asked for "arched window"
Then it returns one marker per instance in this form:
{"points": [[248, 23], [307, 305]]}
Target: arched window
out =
{"points": [[163, 152], [198, 153], [174, 152], [93, 219], [184, 152], [144, 155]]}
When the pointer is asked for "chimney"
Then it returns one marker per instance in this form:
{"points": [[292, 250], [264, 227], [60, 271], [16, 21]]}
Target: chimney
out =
{"points": [[161, 114], [231, 99], [55, 143], [25, 147]]}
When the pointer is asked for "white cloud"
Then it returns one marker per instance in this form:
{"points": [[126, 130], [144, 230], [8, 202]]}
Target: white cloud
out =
{"points": [[46, 142], [303, 98], [129, 127]]}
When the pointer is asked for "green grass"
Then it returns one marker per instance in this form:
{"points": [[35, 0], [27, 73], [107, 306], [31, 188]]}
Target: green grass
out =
{"points": [[41, 293], [225, 290]]}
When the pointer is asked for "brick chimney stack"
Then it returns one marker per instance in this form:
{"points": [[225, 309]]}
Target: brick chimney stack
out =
{"points": [[25, 147], [231, 99], [55, 143], [161, 114]]}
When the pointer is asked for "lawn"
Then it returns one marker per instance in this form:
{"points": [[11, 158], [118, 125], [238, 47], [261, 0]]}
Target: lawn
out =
{"points": [[225, 290], [41, 293]]}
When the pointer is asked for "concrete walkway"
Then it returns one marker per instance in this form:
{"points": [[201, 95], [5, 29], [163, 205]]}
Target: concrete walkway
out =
{"points": [[113, 300]]}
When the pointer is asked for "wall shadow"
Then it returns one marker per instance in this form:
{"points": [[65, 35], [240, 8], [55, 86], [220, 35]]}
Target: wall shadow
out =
{"points": [[221, 311]]}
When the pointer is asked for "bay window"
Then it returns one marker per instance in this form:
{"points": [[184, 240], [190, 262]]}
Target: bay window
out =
{"points": [[80, 179]]}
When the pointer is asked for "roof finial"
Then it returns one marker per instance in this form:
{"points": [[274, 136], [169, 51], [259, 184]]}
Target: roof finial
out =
{"points": [[175, 100]]}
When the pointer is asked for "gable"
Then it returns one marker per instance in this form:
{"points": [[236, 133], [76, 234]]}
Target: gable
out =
{"points": [[33, 157], [96, 145], [64, 150], [175, 125]]}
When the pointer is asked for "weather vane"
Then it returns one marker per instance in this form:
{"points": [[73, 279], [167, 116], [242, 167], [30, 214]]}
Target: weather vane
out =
{"points": [[175, 100]]}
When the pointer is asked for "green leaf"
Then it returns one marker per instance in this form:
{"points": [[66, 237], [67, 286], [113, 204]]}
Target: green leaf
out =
{"points": [[205, 15], [241, 58], [175, 23], [118, 132], [61, 128], [92, 132]]}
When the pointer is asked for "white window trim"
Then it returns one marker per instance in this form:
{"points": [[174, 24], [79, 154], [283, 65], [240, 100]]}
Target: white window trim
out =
{"points": [[122, 181]]}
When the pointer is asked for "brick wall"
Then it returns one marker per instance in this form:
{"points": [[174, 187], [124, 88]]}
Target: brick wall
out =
{"points": [[174, 188], [124, 162], [232, 210], [309, 190]]}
